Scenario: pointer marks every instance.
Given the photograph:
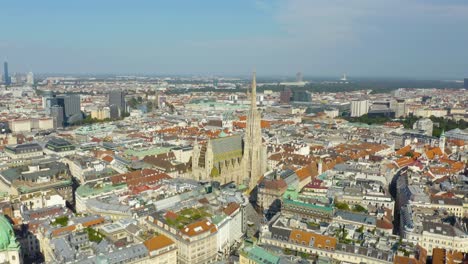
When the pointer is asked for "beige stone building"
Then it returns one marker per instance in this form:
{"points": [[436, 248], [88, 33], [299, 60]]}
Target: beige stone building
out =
{"points": [[162, 250], [196, 243]]}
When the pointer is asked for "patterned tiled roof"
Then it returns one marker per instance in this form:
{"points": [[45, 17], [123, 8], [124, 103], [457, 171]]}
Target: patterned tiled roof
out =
{"points": [[227, 144]]}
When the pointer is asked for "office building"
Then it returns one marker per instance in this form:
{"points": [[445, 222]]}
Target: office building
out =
{"points": [[117, 98], [285, 96], [114, 111], [101, 113], [20, 125], [425, 125], [6, 76], [46, 100], [71, 104], [359, 107], [302, 96], [400, 108], [71, 107], [299, 77], [374, 113], [56, 112], [30, 78]]}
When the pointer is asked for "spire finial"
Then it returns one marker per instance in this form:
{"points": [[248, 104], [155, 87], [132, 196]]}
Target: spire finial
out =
{"points": [[254, 90]]}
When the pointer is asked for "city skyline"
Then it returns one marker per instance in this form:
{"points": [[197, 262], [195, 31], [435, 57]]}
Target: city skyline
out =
{"points": [[200, 170], [318, 38], [139, 132]]}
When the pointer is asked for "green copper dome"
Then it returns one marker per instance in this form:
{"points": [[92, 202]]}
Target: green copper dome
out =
{"points": [[222, 134], [7, 235]]}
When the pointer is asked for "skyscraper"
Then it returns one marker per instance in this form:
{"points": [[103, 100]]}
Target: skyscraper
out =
{"points": [[114, 111], [359, 107], [302, 96], [30, 78], [299, 77], [56, 112], [254, 156], [466, 83], [117, 98], [6, 76], [285, 96], [48, 100], [69, 103]]}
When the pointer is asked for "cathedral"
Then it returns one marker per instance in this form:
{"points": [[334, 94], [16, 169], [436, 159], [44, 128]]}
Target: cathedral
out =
{"points": [[233, 158]]}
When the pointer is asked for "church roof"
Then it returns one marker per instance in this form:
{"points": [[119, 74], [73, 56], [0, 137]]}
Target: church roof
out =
{"points": [[6, 233], [227, 144]]}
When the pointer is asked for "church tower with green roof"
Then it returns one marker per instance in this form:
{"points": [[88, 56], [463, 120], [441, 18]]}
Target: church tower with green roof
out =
{"points": [[9, 247]]}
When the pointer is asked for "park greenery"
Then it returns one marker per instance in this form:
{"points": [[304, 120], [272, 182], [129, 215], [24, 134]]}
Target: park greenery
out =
{"points": [[376, 85], [88, 120], [342, 206], [135, 101], [357, 208], [360, 229], [342, 235], [61, 220], [94, 236]]}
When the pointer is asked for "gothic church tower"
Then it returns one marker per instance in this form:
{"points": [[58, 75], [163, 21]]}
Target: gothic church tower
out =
{"points": [[254, 153]]}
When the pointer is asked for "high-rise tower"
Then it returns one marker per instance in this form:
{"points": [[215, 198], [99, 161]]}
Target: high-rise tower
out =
{"points": [[30, 78], [254, 156], [6, 76], [117, 98]]}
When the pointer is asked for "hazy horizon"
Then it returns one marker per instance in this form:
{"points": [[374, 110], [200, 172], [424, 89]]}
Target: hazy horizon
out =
{"points": [[369, 38]]}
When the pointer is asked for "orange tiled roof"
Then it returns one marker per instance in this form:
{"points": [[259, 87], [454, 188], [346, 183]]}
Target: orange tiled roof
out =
{"points": [[404, 260], [140, 177], [108, 158], [64, 229], [102, 153], [307, 172], [440, 255], [199, 227], [231, 208], [170, 215], [97, 221], [434, 152], [404, 161], [243, 124], [320, 241], [275, 184], [457, 142], [393, 124], [158, 242], [402, 151]]}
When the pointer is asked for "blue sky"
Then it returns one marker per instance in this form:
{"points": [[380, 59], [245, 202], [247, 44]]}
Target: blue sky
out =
{"points": [[384, 38]]}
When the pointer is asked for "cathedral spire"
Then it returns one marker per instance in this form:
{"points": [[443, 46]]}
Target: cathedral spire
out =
{"points": [[253, 94], [254, 158]]}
